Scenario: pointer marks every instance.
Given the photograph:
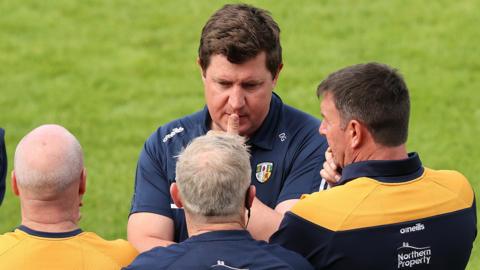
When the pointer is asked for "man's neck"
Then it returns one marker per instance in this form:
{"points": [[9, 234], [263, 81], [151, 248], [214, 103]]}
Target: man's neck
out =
{"points": [[197, 229], [50, 216], [380, 152], [51, 228]]}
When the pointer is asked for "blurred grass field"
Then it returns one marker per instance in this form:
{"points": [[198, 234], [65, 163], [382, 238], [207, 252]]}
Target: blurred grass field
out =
{"points": [[113, 71]]}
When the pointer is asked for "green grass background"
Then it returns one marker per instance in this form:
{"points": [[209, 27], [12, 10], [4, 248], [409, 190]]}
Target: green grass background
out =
{"points": [[113, 71]]}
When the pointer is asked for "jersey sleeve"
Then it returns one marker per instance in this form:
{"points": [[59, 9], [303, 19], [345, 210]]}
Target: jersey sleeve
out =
{"points": [[3, 164], [301, 236], [292, 258], [306, 162], [152, 188], [157, 258]]}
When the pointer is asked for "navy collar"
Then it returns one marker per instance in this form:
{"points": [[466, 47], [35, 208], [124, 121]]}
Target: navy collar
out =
{"points": [[263, 136], [389, 171], [49, 234], [221, 235]]}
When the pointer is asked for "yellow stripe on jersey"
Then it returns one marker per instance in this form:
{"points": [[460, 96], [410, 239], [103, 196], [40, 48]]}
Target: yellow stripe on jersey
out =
{"points": [[365, 202], [19, 251]]}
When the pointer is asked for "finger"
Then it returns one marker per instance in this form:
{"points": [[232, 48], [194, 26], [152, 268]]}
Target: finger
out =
{"points": [[329, 178], [233, 123], [329, 155], [328, 172], [330, 167]]}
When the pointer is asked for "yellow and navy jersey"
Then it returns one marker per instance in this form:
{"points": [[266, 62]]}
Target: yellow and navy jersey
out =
{"points": [[385, 215], [29, 249]]}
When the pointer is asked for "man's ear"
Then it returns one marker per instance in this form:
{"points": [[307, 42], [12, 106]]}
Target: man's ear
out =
{"points": [[14, 184], [356, 132], [275, 79], [83, 182], [250, 196], [175, 193]]}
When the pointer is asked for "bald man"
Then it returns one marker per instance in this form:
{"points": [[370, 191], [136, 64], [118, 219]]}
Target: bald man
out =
{"points": [[50, 180]]}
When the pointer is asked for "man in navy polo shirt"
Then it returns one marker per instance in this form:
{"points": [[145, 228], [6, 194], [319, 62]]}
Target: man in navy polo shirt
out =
{"points": [[388, 211], [3, 164], [240, 59], [213, 186]]}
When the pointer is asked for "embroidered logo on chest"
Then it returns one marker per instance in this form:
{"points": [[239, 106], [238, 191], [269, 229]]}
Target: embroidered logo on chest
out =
{"points": [[264, 171]]}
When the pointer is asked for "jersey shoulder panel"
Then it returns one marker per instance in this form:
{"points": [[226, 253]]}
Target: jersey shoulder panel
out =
{"points": [[296, 121], [455, 182], [119, 251], [8, 241], [365, 202], [329, 209], [177, 133]]}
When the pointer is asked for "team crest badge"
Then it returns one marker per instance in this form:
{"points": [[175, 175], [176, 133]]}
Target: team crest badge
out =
{"points": [[264, 171]]}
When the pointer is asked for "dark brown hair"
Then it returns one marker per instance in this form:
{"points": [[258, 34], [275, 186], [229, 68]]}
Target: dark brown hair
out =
{"points": [[240, 32], [374, 94]]}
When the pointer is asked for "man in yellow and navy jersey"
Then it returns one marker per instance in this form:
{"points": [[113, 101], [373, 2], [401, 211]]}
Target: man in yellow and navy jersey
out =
{"points": [[387, 211], [50, 180]]}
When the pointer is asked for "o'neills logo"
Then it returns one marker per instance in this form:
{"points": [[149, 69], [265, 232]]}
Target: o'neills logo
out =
{"points": [[410, 256], [417, 227], [174, 132]]}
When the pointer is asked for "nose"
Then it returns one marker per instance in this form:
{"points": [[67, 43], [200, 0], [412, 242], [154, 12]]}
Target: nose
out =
{"points": [[322, 128], [236, 99]]}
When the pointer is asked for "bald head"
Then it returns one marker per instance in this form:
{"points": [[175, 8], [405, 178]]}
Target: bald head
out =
{"points": [[48, 160]]}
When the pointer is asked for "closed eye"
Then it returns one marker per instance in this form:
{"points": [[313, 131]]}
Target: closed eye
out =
{"points": [[251, 85], [225, 84]]}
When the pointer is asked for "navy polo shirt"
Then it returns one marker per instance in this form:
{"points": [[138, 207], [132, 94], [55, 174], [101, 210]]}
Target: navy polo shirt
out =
{"points": [[385, 215], [3, 164], [287, 154], [220, 250]]}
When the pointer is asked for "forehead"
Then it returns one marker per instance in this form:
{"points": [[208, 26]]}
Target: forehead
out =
{"points": [[220, 67], [327, 103]]}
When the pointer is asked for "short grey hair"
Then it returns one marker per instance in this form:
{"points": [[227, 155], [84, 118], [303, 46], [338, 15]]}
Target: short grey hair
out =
{"points": [[49, 158], [213, 175]]}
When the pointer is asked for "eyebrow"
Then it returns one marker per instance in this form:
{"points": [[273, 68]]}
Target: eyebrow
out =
{"points": [[247, 81], [215, 79], [252, 82]]}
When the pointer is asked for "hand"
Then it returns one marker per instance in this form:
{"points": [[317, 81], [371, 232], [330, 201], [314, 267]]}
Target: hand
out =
{"points": [[330, 169], [233, 124]]}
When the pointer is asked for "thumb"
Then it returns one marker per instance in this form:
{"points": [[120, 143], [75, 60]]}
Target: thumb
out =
{"points": [[233, 123]]}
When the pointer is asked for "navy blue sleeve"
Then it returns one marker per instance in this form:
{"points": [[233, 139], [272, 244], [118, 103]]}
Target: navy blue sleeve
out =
{"points": [[307, 239], [307, 161], [152, 188], [3, 164], [156, 258], [291, 258]]}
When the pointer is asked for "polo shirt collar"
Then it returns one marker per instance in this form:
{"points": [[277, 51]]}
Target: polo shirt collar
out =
{"points": [[49, 234], [221, 235], [264, 136], [388, 171]]}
